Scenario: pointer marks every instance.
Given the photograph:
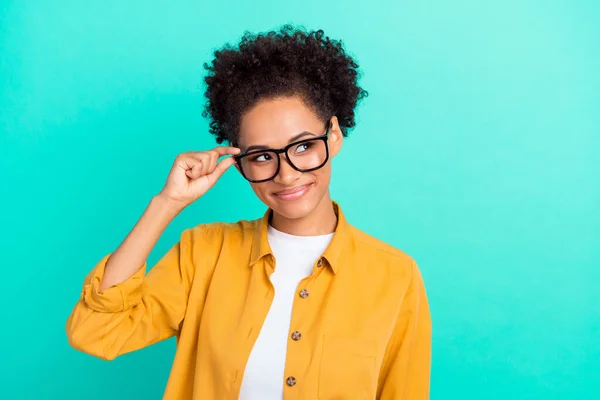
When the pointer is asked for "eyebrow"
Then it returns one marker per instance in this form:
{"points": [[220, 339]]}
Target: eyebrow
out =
{"points": [[292, 140]]}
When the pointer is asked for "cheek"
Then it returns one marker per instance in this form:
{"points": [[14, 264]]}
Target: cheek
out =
{"points": [[260, 189], [323, 175]]}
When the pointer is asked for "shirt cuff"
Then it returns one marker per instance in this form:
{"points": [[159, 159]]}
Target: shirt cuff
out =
{"points": [[119, 297]]}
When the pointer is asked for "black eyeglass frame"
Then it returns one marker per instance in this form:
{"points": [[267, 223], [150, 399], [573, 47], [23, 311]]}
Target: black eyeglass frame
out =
{"points": [[323, 137]]}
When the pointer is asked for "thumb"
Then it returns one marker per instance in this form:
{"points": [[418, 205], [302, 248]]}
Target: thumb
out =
{"points": [[220, 169]]}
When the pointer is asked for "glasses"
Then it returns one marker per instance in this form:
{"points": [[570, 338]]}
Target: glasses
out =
{"points": [[304, 155]]}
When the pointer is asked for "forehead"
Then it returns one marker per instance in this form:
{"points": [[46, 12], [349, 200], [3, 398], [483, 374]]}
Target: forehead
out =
{"points": [[273, 122]]}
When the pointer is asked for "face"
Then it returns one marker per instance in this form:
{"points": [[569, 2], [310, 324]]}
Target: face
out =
{"points": [[274, 123]]}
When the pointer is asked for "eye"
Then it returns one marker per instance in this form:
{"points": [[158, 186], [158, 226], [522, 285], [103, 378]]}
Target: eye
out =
{"points": [[302, 147], [262, 157]]}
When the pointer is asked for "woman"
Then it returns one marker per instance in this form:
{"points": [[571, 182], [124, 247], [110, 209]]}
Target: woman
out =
{"points": [[298, 304]]}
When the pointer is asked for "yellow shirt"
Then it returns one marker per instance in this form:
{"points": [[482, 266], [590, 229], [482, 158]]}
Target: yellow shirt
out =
{"points": [[362, 314]]}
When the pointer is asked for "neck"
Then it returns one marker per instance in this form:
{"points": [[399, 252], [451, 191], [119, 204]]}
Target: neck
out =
{"points": [[320, 221]]}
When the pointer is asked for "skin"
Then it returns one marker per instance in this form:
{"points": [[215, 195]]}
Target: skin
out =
{"points": [[274, 123]]}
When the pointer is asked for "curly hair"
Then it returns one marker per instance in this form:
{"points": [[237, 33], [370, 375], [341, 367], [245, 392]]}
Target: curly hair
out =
{"points": [[286, 62]]}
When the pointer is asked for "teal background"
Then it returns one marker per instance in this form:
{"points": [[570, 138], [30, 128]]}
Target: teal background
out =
{"points": [[476, 153]]}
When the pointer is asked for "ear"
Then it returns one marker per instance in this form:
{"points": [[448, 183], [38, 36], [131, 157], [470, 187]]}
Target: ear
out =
{"points": [[336, 138]]}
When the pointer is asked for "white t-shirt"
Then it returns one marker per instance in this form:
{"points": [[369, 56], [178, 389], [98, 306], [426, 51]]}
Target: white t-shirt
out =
{"points": [[294, 260]]}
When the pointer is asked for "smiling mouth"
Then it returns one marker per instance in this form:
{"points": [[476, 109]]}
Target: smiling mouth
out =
{"points": [[293, 194]]}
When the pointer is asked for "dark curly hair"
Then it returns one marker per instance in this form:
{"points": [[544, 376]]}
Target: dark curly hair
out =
{"points": [[289, 61]]}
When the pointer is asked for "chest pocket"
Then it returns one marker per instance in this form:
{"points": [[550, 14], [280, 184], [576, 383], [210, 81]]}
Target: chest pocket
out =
{"points": [[347, 369]]}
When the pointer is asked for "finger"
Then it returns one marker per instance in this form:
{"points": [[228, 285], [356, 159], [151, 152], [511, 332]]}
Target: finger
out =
{"points": [[214, 159], [202, 161], [209, 158], [187, 160], [225, 150], [219, 151], [220, 169], [196, 171], [215, 153], [209, 163]]}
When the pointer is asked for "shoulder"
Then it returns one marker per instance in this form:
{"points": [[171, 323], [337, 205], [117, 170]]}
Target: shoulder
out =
{"points": [[208, 243], [381, 257], [378, 248], [217, 232], [382, 266]]}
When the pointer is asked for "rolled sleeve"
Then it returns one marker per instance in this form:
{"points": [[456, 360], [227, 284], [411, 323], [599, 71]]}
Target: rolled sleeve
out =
{"points": [[144, 309], [116, 298]]}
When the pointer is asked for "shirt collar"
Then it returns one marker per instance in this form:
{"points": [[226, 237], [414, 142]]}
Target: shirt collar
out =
{"points": [[333, 254]]}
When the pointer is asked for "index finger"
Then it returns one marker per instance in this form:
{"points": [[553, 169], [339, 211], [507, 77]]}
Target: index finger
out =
{"points": [[226, 150]]}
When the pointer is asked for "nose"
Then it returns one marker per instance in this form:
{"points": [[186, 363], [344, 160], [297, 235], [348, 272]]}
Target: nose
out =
{"points": [[287, 175]]}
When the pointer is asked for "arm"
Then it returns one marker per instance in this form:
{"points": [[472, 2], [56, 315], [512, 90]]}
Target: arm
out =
{"points": [[406, 366], [131, 255], [120, 309]]}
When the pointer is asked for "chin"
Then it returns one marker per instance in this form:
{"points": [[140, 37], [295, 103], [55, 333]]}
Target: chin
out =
{"points": [[298, 210]]}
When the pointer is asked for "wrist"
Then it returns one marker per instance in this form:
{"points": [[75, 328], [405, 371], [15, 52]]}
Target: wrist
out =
{"points": [[170, 206]]}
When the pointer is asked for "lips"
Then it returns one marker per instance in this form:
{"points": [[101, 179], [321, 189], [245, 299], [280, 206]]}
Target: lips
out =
{"points": [[293, 193]]}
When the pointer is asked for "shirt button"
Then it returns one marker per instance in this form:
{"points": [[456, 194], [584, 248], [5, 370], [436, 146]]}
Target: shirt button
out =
{"points": [[291, 381], [296, 336], [304, 293], [320, 262]]}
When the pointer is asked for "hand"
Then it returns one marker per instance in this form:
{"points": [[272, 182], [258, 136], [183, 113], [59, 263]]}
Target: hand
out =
{"points": [[195, 172]]}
